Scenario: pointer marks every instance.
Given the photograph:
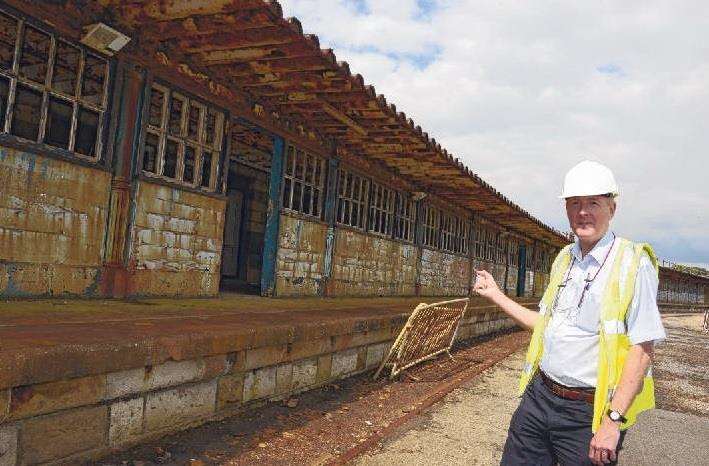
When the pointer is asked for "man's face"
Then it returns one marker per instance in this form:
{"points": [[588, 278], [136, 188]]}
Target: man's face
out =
{"points": [[590, 216]]}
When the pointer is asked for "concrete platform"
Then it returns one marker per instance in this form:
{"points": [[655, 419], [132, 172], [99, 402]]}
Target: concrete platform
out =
{"points": [[122, 372]]}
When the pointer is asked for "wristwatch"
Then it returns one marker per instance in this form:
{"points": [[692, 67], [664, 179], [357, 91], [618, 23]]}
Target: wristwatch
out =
{"points": [[616, 416]]}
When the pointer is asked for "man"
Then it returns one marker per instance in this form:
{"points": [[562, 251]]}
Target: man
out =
{"points": [[587, 372]]}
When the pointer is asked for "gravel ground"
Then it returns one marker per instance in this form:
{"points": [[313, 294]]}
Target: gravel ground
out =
{"points": [[470, 425]]}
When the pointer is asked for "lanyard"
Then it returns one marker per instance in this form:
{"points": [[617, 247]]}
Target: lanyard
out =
{"points": [[589, 280]]}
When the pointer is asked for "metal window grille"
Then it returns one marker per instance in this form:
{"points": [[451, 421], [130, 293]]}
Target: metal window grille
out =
{"points": [[431, 226], [352, 191], [182, 139], [405, 218], [303, 182], [512, 252], [529, 259], [454, 234], [381, 210], [479, 241], [501, 249], [490, 243], [51, 91]]}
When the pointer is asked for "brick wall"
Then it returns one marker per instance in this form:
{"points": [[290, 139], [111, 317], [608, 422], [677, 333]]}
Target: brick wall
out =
{"points": [[365, 264], [301, 257], [52, 225], [176, 242], [444, 274]]}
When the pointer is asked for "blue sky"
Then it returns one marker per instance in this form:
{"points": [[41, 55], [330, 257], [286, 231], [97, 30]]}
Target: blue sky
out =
{"points": [[522, 91]]}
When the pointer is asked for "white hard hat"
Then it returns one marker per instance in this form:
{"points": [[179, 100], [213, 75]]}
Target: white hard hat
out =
{"points": [[589, 178]]}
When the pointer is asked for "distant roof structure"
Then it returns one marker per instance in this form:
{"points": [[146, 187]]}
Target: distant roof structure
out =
{"points": [[247, 53]]}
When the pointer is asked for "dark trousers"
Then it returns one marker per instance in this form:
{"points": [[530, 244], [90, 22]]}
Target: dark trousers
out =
{"points": [[548, 430]]}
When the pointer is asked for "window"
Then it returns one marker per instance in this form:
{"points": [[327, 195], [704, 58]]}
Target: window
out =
{"points": [[479, 241], [501, 255], [183, 139], [405, 218], [352, 193], [303, 181], [381, 210], [454, 234], [490, 244], [529, 259], [51, 91], [512, 252], [431, 226]]}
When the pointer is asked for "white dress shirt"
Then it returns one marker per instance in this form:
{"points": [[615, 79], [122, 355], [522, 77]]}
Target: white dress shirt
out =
{"points": [[572, 335]]}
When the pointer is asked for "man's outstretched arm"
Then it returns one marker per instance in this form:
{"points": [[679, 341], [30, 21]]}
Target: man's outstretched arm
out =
{"points": [[485, 286]]}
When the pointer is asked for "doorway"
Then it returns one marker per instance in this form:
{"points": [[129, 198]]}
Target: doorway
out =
{"points": [[247, 203]]}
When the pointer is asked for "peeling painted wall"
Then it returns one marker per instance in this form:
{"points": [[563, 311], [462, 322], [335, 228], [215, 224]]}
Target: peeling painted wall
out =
{"points": [[301, 257], [176, 242], [444, 274], [52, 225], [370, 265]]}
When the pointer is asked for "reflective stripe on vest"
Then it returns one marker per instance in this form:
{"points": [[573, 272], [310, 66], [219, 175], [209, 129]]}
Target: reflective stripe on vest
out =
{"points": [[613, 341]]}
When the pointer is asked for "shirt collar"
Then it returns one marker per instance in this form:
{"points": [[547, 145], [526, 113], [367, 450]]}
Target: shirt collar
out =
{"points": [[599, 251]]}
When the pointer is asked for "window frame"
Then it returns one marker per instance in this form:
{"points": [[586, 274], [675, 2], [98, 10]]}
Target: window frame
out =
{"points": [[382, 209], [318, 185], [346, 200], [431, 223], [49, 92], [404, 218], [183, 140]]}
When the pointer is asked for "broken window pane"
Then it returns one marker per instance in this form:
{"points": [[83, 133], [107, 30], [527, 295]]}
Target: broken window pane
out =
{"points": [[286, 193], [210, 131], [8, 37], [94, 78], [190, 156], [174, 122], [28, 106], [66, 68], [157, 97], [193, 122], [4, 93], [86, 132], [150, 153], [206, 169], [35, 55], [59, 117], [170, 166]]}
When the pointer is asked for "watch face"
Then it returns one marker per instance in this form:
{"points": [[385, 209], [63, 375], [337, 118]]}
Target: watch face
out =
{"points": [[614, 416]]}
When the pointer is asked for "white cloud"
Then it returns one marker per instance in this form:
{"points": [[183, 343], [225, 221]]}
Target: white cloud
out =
{"points": [[521, 91]]}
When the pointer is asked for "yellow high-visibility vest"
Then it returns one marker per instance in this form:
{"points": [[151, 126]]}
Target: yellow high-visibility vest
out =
{"points": [[614, 342]]}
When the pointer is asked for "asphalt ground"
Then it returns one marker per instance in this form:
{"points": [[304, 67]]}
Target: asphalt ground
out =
{"points": [[470, 425]]}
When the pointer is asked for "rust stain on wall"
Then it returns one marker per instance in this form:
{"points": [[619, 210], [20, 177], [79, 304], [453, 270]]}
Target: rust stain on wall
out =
{"points": [[301, 257], [364, 264], [52, 225], [176, 242]]}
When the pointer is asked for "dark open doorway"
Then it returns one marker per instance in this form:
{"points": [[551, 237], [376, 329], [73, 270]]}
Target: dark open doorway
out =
{"points": [[247, 203]]}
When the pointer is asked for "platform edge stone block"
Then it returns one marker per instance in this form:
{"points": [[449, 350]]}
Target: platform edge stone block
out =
{"points": [[125, 383], [32, 400], [265, 356], [375, 354], [8, 445], [230, 390], [344, 362], [260, 383], [324, 368], [284, 378], [56, 436], [180, 406], [304, 373], [126, 421], [173, 373]]}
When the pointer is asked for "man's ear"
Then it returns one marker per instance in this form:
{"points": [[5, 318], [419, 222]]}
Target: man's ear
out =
{"points": [[613, 207]]}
